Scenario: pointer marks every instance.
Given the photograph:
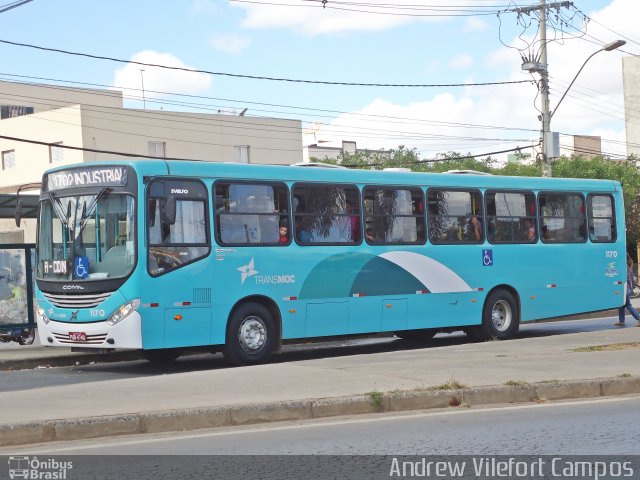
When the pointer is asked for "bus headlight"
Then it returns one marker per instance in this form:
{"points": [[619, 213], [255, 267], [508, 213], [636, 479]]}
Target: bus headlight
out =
{"points": [[40, 313], [123, 312]]}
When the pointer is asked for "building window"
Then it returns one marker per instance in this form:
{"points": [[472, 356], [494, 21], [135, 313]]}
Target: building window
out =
{"points": [[56, 153], [11, 111], [8, 159], [158, 149], [241, 153]]}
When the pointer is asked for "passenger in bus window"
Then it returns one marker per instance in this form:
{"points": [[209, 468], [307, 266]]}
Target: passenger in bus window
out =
{"points": [[284, 233], [369, 235], [475, 230], [354, 221], [530, 231]]}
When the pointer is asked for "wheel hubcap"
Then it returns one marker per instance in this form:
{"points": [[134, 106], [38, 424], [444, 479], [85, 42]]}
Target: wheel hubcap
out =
{"points": [[252, 334], [501, 315]]}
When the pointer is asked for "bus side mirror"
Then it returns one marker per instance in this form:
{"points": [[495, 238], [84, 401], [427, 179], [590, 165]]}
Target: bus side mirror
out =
{"points": [[18, 212], [169, 211]]}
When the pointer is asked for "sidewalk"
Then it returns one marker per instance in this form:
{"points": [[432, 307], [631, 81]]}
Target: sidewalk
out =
{"points": [[521, 370]]}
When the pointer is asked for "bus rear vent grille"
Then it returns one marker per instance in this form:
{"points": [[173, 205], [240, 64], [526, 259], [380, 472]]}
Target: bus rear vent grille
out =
{"points": [[201, 295], [77, 301]]}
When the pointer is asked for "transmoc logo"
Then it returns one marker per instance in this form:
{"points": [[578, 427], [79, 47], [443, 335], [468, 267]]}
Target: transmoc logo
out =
{"points": [[249, 270]]}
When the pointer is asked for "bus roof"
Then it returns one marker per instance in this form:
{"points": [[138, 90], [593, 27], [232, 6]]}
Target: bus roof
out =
{"points": [[238, 171]]}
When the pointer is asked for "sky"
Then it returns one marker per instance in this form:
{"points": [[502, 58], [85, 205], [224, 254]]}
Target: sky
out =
{"points": [[460, 43]]}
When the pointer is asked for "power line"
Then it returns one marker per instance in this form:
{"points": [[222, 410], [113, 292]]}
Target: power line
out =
{"points": [[12, 5], [257, 77], [299, 110]]}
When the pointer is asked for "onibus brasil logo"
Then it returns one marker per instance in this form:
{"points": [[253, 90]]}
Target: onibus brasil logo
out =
{"points": [[33, 468]]}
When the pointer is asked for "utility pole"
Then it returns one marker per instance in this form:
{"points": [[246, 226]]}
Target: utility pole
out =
{"points": [[544, 95], [144, 101], [541, 67]]}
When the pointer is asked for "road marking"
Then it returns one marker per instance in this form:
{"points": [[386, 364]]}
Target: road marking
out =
{"points": [[137, 439]]}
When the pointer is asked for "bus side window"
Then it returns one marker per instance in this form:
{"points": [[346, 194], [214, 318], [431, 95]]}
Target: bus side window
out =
{"points": [[251, 213], [186, 240]]}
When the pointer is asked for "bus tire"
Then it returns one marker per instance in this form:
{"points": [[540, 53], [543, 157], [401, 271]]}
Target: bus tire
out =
{"points": [[162, 355], [423, 335], [251, 335], [500, 317]]}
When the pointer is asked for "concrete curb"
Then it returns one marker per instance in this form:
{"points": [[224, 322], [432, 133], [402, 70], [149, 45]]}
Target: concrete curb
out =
{"points": [[67, 360], [373, 402]]}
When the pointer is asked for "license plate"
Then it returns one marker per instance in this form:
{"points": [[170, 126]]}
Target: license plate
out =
{"points": [[78, 336]]}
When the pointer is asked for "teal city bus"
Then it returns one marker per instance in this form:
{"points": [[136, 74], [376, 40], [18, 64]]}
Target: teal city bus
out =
{"points": [[162, 256]]}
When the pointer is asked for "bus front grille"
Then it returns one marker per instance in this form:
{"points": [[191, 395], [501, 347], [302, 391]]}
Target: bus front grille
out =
{"points": [[91, 339], [77, 301]]}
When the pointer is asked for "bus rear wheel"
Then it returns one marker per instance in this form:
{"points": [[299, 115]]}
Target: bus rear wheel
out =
{"points": [[251, 335], [500, 318]]}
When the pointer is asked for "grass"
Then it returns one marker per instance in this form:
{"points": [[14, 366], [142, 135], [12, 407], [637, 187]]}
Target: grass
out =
{"points": [[376, 398], [516, 383], [609, 348], [452, 384], [625, 375]]}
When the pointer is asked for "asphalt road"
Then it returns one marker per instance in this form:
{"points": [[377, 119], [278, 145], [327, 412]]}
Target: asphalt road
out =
{"points": [[589, 427], [43, 377]]}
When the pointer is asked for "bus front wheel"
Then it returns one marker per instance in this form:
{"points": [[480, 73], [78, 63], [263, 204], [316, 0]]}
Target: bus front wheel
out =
{"points": [[251, 335], [500, 317]]}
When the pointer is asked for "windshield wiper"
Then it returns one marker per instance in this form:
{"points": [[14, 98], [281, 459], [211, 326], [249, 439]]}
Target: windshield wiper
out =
{"points": [[90, 209], [57, 207]]}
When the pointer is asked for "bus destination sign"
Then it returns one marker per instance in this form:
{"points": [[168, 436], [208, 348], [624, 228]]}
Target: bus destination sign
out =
{"points": [[115, 176]]}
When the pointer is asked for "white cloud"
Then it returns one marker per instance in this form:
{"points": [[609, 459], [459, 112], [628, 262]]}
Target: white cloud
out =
{"points": [[129, 78], [461, 62], [474, 24], [593, 106], [230, 43]]}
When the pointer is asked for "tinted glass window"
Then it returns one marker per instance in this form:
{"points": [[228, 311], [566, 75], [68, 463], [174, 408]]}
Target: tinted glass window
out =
{"points": [[252, 213], [602, 219], [173, 245], [562, 218], [326, 214], [511, 217], [454, 216], [394, 215]]}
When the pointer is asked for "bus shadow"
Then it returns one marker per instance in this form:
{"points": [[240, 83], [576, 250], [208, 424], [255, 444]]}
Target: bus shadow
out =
{"points": [[337, 348]]}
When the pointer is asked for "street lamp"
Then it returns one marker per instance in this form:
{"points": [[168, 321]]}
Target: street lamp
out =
{"points": [[541, 68]]}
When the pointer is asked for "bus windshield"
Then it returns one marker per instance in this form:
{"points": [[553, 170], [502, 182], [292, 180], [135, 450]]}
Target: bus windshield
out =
{"points": [[86, 237]]}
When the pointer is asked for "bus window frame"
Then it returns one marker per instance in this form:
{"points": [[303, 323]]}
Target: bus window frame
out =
{"points": [[535, 217], [207, 226], [614, 238], [410, 188], [216, 223], [330, 244], [584, 215], [483, 234]]}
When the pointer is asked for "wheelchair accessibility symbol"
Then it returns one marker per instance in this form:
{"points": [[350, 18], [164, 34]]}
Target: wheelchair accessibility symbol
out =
{"points": [[487, 258], [81, 267]]}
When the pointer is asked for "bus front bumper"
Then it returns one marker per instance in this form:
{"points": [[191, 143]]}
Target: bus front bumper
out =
{"points": [[99, 335]]}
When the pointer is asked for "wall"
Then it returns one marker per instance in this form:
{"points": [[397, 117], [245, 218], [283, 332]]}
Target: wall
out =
{"points": [[631, 81]]}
